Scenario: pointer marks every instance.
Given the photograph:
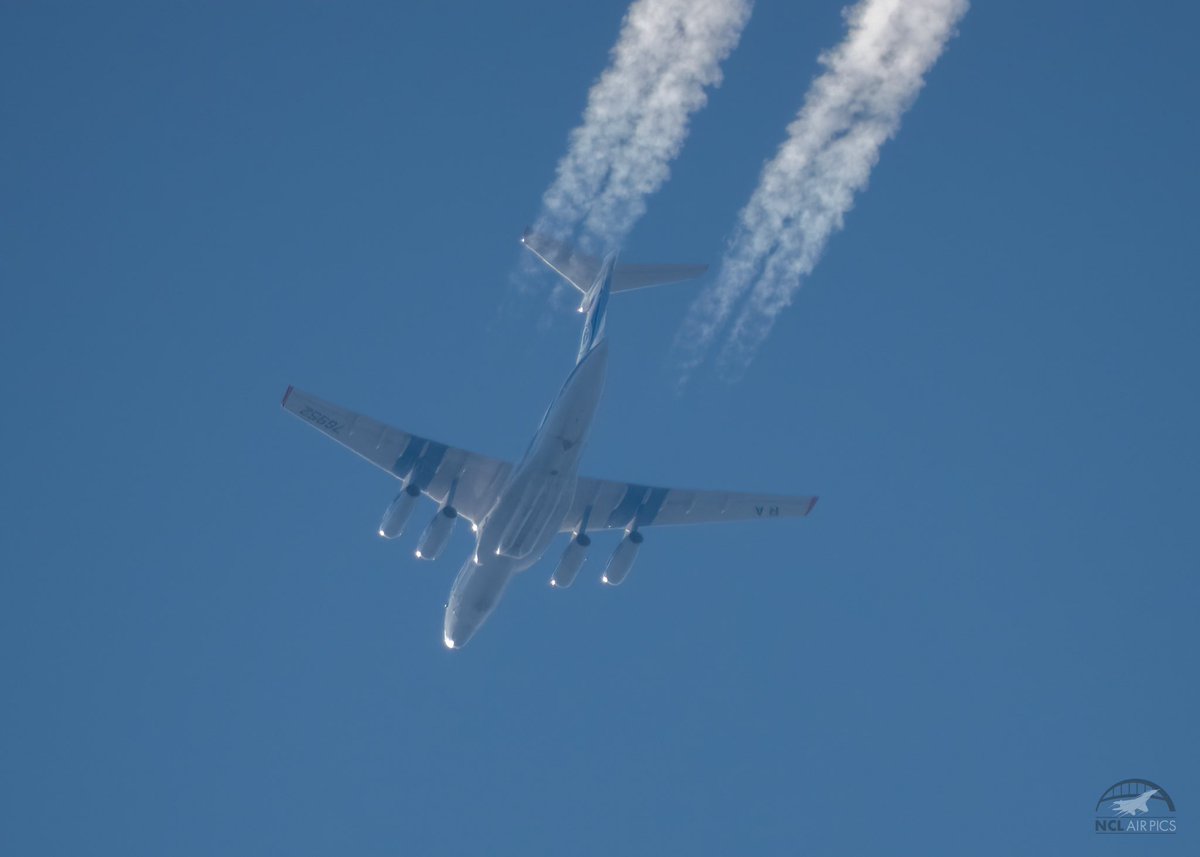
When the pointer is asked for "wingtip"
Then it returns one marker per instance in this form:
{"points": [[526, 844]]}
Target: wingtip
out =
{"points": [[811, 503], [286, 393]]}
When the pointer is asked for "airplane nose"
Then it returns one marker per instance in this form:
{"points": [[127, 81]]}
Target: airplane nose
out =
{"points": [[452, 636], [456, 633], [456, 639]]}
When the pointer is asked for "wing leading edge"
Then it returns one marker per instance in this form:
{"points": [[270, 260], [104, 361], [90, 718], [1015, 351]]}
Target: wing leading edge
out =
{"points": [[436, 468]]}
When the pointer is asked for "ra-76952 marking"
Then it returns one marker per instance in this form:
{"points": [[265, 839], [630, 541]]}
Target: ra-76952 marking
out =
{"points": [[315, 416]]}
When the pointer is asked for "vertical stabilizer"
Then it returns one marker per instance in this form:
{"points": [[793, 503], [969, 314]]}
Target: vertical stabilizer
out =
{"points": [[598, 278], [595, 304]]}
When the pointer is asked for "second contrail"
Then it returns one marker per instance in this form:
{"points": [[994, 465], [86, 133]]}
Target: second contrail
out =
{"points": [[804, 192]]}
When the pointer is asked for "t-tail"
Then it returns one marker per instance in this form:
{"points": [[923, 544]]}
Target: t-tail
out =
{"points": [[595, 304], [597, 278]]}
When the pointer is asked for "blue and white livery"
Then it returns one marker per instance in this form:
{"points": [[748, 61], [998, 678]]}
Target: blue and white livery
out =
{"points": [[516, 510]]}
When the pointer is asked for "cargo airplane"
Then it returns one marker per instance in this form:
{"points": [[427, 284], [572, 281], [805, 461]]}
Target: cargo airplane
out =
{"points": [[516, 510]]}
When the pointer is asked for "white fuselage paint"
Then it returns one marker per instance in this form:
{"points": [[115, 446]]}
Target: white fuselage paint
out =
{"points": [[533, 503]]}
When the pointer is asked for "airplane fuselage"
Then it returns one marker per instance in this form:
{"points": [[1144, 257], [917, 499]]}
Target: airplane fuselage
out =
{"points": [[530, 509], [516, 509]]}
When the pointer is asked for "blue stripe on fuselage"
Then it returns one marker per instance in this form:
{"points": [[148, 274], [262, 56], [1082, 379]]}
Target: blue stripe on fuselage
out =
{"points": [[593, 328], [598, 313], [565, 385]]}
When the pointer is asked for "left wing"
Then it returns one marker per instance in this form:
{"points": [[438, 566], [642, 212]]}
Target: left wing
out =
{"points": [[435, 467], [623, 505]]}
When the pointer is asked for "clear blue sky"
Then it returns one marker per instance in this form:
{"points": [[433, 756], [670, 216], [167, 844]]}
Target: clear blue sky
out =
{"points": [[991, 381]]}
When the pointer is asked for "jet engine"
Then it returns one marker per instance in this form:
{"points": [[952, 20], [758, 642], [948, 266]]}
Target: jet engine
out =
{"points": [[622, 559], [571, 562], [398, 512], [437, 533]]}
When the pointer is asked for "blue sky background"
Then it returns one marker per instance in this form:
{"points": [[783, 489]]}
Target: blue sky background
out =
{"points": [[991, 381]]}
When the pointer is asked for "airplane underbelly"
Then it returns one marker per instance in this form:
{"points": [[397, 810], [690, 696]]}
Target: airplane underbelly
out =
{"points": [[528, 516], [531, 508]]}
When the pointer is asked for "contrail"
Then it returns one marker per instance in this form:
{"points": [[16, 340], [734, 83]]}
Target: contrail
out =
{"points": [[804, 192], [637, 116]]}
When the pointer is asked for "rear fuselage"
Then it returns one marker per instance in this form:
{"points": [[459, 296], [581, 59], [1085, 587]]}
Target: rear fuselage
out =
{"points": [[530, 509]]}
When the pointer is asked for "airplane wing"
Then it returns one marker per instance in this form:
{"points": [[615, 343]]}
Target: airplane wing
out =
{"points": [[477, 479], [619, 505], [435, 466]]}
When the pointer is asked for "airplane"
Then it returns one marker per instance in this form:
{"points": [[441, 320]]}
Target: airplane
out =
{"points": [[1134, 805], [516, 510]]}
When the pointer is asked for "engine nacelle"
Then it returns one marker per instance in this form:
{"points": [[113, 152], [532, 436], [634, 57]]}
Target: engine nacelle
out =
{"points": [[571, 562], [437, 533], [622, 559], [398, 513]]}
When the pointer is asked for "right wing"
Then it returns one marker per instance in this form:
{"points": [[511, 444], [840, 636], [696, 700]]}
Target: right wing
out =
{"points": [[624, 505], [434, 466]]}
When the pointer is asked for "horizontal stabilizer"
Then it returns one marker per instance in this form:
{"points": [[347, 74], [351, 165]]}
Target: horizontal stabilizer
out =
{"points": [[580, 269], [628, 277]]}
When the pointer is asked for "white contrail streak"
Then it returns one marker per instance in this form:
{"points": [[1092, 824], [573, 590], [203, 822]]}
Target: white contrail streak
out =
{"points": [[637, 115], [804, 192]]}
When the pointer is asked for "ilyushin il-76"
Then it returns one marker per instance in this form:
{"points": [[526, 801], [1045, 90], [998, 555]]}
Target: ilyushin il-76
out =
{"points": [[516, 510]]}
